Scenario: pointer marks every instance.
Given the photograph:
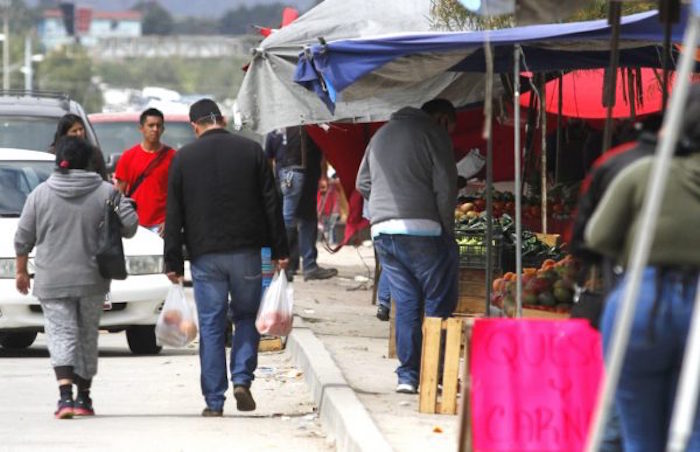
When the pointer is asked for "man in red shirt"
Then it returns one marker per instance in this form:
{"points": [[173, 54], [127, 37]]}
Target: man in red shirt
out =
{"points": [[142, 171]]}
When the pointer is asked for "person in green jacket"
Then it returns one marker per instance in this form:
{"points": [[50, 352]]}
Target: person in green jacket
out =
{"points": [[646, 391]]}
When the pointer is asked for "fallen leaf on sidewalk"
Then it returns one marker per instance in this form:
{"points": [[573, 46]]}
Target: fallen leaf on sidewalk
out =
{"points": [[437, 429], [294, 374]]}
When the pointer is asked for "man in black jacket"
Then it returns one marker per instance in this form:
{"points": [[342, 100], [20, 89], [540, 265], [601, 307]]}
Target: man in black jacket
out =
{"points": [[223, 206], [297, 162]]}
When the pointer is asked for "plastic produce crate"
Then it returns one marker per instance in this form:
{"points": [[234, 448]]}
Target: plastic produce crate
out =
{"points": [[473, 249]]}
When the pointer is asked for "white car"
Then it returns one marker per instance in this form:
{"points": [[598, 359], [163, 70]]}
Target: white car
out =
{"points": [[132, 305]]}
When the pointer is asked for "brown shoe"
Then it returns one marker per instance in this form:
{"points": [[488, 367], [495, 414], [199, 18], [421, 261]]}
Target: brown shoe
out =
{"points": [[244, 399], [208, 412]]}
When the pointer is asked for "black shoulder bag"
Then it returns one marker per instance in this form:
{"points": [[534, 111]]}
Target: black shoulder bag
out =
{"points": [[151, 166], [110, 250]]}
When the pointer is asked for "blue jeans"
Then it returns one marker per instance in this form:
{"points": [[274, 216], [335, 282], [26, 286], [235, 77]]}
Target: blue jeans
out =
{"points": [[308, 235], [422, 274], [292, 185], [383, 290], [647, 388], [216, 277]]}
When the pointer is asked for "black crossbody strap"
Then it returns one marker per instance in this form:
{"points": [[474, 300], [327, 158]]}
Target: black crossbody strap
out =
{"points": [[151, 166]]}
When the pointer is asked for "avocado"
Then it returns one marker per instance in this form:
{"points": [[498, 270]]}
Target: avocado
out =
{"points": [[547, 299]]}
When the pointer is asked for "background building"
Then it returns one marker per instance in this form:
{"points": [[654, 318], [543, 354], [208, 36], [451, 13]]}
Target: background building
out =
{"points": [[90, 26]]}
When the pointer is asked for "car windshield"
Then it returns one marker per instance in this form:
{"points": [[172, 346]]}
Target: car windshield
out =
{"points": [[116, 137], [27, 132], [17, 180]]}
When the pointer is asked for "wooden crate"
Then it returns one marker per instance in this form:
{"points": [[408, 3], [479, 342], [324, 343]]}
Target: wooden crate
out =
{"points": [[271, 344], [542, 314], [434, 356], [472, 291]]}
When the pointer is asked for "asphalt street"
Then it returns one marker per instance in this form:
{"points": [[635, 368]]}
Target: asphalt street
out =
{"points": [[154, 403]]}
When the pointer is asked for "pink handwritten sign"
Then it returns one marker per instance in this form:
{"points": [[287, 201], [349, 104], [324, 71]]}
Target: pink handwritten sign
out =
{"points": [[534, 384]]}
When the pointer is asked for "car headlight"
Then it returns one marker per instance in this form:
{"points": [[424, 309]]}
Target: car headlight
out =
{"points": [[144, 265], [7, 268]]}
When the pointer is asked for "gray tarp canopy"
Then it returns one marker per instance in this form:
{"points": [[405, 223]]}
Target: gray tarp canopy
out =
{"points": [[270, 99]]}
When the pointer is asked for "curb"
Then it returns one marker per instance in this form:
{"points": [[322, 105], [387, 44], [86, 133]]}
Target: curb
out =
{"points": [[340, 410]]}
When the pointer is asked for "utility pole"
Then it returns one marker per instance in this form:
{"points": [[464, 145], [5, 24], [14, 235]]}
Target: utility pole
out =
{"points": [[28, 69], [5, 4]]}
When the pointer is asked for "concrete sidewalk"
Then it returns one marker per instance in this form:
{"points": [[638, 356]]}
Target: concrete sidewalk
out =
{"points": [[343, 347]]}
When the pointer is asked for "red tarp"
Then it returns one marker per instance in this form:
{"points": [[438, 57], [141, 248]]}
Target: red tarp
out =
{"points": [[583, 94]]}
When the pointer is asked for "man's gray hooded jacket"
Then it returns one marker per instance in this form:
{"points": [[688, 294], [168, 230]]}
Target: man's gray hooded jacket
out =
{"points": [[409, 171], [61, 217]]}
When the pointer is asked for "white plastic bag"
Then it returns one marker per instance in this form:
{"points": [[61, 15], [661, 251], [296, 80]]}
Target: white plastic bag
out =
{"points": [[275, 314], [471, 164], [176, 325]]}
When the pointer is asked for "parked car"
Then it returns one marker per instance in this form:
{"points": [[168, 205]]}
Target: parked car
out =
{"points": [[132, 305], [118, 132], [28, 120]]}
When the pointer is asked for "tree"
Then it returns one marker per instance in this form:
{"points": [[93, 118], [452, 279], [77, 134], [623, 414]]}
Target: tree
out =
{"points": [[450, 14], [22, 18], [156, 19], [69, 70], [218, 77], [196, 26], [239, 21]]}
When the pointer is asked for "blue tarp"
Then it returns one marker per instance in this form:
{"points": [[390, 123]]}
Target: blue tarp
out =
{"points": [[336, 65]]}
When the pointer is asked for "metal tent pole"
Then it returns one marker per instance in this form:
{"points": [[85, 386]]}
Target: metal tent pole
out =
{"points": [[488, 132], [649, 214], [614, 14], [543, 151], [518, 186], [686, 402], [669, 13], [560, 106]]}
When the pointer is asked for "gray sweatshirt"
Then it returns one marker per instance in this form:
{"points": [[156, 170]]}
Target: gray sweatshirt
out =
{"points": [[409, 172], [61, 218]]}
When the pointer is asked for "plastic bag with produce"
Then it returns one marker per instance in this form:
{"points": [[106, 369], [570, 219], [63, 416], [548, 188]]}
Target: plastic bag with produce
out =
{"points": [[275, 314], [176, 325]]}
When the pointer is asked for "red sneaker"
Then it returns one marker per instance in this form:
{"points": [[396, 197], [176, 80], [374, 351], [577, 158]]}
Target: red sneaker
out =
{"points": [[83, 406], [64, 409]]}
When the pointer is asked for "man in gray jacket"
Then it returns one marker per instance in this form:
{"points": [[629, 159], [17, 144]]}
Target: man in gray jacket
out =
{"points": [[409, 177]]}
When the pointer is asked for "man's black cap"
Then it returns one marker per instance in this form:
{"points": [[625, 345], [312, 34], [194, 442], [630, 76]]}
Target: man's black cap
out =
{"points": [[204, 108]]}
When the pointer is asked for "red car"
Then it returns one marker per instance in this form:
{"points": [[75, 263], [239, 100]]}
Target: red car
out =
{"points": [[117, 132]]}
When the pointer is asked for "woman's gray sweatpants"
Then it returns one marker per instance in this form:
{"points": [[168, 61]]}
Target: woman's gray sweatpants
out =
{"points": [[71, 325]]}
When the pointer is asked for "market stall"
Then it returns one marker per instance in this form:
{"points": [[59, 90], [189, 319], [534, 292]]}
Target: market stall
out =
{"points": [[360, 68], [346, 71]]}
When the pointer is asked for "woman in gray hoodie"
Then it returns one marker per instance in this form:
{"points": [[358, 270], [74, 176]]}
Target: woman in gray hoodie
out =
{"points": [[62, 217]]}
